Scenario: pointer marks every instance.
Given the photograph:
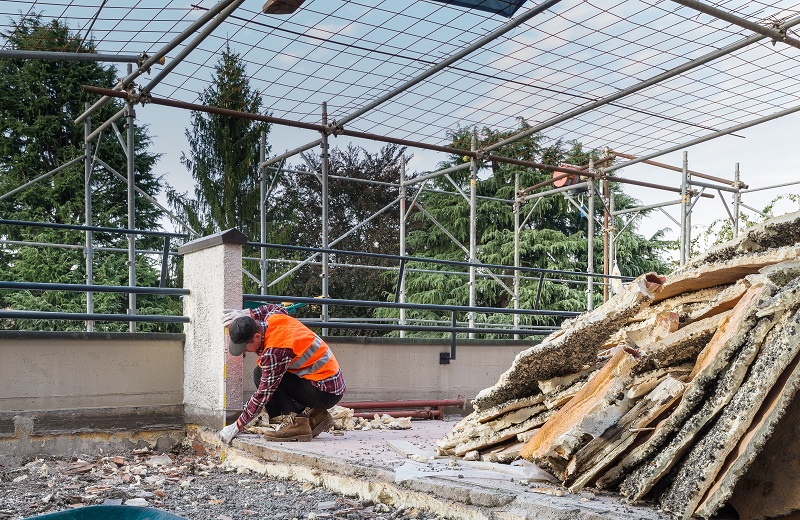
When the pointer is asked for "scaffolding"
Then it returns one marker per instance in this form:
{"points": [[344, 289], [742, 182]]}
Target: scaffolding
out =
{"points": [[470, 69]]}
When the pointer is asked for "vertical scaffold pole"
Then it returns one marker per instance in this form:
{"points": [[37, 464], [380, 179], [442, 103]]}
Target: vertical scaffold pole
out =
{"points": [[473, 229], [131, 209], [684, 206], [590, 234], [606, 236], [262, 207], [325, 267], [402, 280], [737, 200], [87, 194], [517, 208]]}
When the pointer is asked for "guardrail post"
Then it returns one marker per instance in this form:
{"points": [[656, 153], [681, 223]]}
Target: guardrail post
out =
{"points": [[212, 378]]}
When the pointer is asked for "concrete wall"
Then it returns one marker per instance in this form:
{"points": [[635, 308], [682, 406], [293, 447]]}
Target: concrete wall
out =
{"points": [[392, 369], [68, 393]]}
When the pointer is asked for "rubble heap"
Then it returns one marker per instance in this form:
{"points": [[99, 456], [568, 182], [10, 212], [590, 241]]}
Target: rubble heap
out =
{"points": [[670, 390]]}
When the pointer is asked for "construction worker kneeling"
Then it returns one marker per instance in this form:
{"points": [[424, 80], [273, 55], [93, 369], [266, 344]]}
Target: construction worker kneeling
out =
{"points": [[297, 375]]}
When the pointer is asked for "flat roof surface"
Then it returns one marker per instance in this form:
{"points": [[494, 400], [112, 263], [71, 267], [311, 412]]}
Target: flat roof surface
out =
{"points": [[403, 464]]}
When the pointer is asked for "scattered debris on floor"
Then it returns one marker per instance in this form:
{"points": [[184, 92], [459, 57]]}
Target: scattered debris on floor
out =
{"points": [[344, 420], [669, 391], [189, 483]]}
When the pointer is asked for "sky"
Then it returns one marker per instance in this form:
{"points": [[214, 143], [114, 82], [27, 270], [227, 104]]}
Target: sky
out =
{"points": [[349, 52], [768, 155]]}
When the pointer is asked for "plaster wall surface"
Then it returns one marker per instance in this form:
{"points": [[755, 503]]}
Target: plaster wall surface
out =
{"points": [[214, 276], [62, 370], [408, 369]]}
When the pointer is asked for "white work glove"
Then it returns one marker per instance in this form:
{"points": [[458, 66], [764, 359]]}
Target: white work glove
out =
{"points": [[228, 315], [228, 433]]}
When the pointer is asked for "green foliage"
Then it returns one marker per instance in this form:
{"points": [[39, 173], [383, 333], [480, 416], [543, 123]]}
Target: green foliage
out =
{"points": [[553, 236], [721, 230], [296, 209], [224, 155], [39, 99]]}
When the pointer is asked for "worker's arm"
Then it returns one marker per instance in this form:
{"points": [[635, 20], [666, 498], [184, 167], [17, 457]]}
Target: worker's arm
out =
{"points": [[262, 312]]}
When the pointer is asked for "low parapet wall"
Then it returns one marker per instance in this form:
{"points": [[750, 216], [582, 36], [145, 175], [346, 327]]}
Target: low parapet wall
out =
{"points": [[67, 393]]}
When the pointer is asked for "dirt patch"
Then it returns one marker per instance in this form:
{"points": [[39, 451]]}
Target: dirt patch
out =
{"points": [[190, 484]]}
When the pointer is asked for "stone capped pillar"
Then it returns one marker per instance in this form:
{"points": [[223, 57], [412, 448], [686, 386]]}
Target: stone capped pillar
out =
{"points": [[212, 378]]}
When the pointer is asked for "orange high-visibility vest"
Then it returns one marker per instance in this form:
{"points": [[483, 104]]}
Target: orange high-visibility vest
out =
{"points": [[312, 358]]}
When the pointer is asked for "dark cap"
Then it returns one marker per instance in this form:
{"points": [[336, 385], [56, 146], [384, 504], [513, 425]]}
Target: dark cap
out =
{"points": [[241, 331]]}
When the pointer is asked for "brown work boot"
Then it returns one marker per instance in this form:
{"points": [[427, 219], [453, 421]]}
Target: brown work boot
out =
{"points": [[293, 428], [320, 421]]}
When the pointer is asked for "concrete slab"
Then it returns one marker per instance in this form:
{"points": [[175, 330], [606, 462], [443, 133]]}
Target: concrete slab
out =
{"points": [[364, 464]]}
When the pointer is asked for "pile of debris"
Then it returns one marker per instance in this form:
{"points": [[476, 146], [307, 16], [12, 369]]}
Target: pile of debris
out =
{"points": [[672, 390], [344, 420]]}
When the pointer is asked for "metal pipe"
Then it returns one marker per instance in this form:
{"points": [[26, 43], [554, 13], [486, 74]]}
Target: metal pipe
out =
{"points": [[774, 34], [262, 208], [19, 54], [80, 316], [473, 227], [416, 259], [590, 247], [724, 51], [374, 137], [708, 137], [157, 57], [438, 173], [37, 286], [676, 169], [41, 178], [394, 305], [503, 29], [533, 331], [131, 213], [93, 228], [684, 206], [711, 186], [460, 402], [517, 209], [100, 129], [87, 197], [606, 231], [291, 153], [737, 200], [325, 201], [402, 279], [147, 196], [414, 414]]}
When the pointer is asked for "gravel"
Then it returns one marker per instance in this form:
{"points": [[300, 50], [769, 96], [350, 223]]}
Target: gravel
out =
{"points": [[189, 484]]}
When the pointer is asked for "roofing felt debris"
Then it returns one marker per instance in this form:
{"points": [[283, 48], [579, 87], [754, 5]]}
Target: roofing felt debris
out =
{"points": [[670, 391]]}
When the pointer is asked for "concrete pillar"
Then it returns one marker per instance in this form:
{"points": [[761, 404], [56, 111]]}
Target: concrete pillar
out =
{"points": [[212, 378]]}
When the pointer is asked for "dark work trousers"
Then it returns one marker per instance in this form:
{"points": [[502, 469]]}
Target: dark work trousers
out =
{"points": [[294, 394]]}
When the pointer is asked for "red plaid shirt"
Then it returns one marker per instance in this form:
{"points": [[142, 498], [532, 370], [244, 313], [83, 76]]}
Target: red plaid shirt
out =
{"points": [[274, 362]]}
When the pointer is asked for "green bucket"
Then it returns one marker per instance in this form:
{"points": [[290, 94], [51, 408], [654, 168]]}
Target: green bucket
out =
{"points": [[110, 513]]}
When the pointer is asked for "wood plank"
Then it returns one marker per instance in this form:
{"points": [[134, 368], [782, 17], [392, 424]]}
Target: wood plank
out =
{"points": [[684, 344], [763, 492], [593, 409], [698, 470], [571, 349], [643, 466], [729, 271], [590, 460]]}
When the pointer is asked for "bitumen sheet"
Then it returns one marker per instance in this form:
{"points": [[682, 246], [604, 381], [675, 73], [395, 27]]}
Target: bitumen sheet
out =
{"points": [[400, 467]]}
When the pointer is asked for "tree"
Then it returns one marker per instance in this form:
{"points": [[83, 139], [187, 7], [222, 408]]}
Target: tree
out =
{"points": [[365, 215], [39, 99], [224, 155], [554, 235]]}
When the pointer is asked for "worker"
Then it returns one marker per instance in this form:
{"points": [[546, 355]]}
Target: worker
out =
{"points": [[296, 371]]}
